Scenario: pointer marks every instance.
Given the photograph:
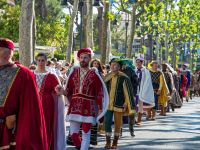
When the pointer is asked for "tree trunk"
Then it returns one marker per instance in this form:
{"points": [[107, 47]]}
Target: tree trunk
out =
{"points": [[174, 56], [85, 23], [157, 50], [90, 24], [132, 33], [150, 39], [166, 47], [34, 34], [105, 33], [70, 34], [26, 32], [41, 8], [100, 28], [108, 43]]}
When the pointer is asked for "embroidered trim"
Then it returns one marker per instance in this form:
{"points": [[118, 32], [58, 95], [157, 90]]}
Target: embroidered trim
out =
{"points": [[10, 86]]}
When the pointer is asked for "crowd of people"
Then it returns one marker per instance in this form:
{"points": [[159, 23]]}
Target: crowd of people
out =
{"points": [[35, 101]]}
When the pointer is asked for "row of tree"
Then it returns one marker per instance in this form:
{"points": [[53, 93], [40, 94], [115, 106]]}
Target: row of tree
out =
{"points": [[169, 27]]}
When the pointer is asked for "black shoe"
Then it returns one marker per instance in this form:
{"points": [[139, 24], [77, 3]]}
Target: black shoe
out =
{"points": [[131, 130], [132, 133], [187, 99], [172, 106]]}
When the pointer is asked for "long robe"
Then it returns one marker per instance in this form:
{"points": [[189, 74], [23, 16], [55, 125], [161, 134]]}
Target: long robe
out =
{"points": [[19, 96], [46, 84], [146, 93], [159, 80], [184, 82]]}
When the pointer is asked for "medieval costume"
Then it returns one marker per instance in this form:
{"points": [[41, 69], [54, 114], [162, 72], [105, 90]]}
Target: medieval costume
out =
{"points": [[127, 68], [19, 104], [87, 96], [120, 92], [170, 85], [185, 82], [197, 84], [191, 87], [176, 99], [161, 99], [145, 93], [94, 128], [19, 97], [46, 84]]}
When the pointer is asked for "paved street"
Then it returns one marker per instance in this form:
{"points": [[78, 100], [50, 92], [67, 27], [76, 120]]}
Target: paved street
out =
{"points": [[178, 130]]}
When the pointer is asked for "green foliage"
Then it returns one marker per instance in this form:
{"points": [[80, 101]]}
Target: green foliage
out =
{"points": [[9, 22], [59, 55], [110, 15], [54, 8], [50, 31], [115, 52], [53, 33], [16, 56]]}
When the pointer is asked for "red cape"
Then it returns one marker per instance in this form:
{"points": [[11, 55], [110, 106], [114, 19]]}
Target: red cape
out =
{"points": [[24, 102]]}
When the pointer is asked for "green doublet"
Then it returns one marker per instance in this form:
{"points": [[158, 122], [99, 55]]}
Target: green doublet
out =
{"points": [[120, 92]]}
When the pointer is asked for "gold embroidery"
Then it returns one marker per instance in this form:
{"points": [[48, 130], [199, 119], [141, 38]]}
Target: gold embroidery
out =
{"points": [[11, 74]]}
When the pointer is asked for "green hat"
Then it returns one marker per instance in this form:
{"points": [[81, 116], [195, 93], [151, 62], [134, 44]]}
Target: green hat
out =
{"points": [[128, 62]]}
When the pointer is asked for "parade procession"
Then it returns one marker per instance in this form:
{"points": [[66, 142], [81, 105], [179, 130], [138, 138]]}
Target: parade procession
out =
{"points": [[127, 80]]}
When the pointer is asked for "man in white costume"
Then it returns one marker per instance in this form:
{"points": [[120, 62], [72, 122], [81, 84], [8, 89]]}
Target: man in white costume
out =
{"points": [[145, 93]]}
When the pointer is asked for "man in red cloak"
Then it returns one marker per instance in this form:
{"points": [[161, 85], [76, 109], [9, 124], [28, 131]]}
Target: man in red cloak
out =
{"points": [[88, 99], [22, 125]]}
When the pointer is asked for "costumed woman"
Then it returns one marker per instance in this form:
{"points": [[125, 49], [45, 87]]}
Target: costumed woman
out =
{"points": [[51, 103]]}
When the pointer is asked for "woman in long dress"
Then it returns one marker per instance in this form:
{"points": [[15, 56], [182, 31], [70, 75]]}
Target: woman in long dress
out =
{"points": [[47, 82]]}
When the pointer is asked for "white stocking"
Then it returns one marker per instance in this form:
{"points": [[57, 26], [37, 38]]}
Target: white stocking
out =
{"points": [[85, 140]]}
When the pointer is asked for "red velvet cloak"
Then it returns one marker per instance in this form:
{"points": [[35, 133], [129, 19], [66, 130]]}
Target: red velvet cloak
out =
{"points": [[22, 99]]}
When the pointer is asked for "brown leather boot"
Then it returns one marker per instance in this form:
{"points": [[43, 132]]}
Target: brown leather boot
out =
{"points": [[164, 111], [161, 110], [139, 120], [108, 142], [115, 141], [153, 114], [148, 113]]}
